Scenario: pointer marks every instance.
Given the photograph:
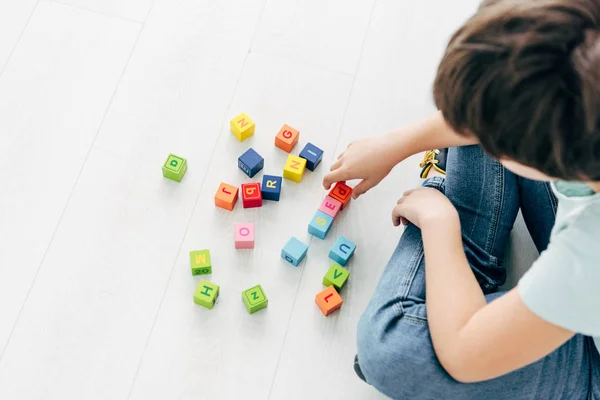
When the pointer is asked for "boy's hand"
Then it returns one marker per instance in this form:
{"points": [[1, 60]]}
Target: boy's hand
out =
{"points": [[422, 207], [369, 159]]}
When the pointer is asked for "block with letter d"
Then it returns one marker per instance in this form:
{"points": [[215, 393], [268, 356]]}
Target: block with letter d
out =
{"points": [[342, 193], [251, 195], [271, 187], [342, 250], [174, 168]]}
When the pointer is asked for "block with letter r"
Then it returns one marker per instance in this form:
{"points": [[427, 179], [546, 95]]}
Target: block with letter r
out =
{"points": [[271, 187], [342, 250]]}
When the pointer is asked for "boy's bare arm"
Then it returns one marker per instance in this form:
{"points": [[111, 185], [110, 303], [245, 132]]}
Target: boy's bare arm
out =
{"points": [[473, 340], [371, 159]]}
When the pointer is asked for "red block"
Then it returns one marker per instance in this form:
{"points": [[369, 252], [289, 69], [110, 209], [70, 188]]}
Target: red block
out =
{"points": [[342, 193], [251, 195]]}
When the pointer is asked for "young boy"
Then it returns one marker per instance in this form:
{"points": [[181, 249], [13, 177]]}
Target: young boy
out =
{"points": [[519, 97]]}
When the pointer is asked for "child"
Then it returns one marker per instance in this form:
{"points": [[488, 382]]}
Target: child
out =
{"points": [[520, 81]]}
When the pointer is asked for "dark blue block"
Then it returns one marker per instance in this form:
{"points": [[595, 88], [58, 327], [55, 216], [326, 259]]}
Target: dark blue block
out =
{"points": [[313, 156], [251, 162], [271, 187]]}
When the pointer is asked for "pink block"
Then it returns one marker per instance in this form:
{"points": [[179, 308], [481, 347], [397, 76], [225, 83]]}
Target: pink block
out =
{"points": [[330, 206], [244, 236]]}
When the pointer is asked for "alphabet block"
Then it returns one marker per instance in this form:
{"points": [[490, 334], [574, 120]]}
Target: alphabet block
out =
{"points": [[342, 193], [251, 162], [226, 196], [242, 127], [200, 262], [251, 195], [336, 277], [255, 299], [294, 251], [244, 236], [206, 294], [271, 187], [313, 156], [320, 224], [342, 250], [294, 168], [329, 300], [174, 168], [330, 206], [287, 138]]}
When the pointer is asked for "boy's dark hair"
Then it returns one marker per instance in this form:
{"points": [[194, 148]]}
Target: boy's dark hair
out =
{"points": [[524, 77]]}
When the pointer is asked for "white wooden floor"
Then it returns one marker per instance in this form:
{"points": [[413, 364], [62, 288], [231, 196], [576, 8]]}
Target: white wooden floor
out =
{"points": [[95, 286]]}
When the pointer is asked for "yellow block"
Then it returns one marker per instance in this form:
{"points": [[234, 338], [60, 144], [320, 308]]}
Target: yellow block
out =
{"points": [[294, 168], [242, 127]]}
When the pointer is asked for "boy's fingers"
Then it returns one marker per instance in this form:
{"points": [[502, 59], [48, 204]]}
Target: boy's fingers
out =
{"points": [[335, 176], [336, 165], [404, 221], [362, 188], [341, 155]]}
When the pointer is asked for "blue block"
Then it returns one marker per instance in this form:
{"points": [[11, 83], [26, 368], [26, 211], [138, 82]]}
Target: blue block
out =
{"points": [[271, 187], [294, 251], [342, 250], [251, 162], [313, 156], [320, 224]]}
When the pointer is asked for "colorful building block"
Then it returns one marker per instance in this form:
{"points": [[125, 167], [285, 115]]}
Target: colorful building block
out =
{"points": [[200, 262], [174, 168], [294, 251], [287, 138], [294, 168], [329, 300], [330, 206], [251, 195], [271, 187], [251, 162], [336, 277], [342, 193], [320, 224], [226, 196], [242, 127], [342, 250], [313, 156], [244, 236], [255, 299], [206, 294]]}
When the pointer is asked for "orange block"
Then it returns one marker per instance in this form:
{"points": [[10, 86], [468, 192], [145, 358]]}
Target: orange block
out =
{"points": [[287, 138], [226, 196], [329, 300], [342, 193]]}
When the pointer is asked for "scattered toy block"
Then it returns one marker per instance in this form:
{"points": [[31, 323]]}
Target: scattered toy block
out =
{"points": [[294, 168], [330, 206], [313, 156], [200, 262], [287, 138], [271, 187], [329, 300], [342, 250], [294, 251], [244, 236], [206, 294], [336, 277], [255, 299], [251, 195], [342, 193], [251, 162], [320, 224], [174, 168], [242, 127], [226, 196]]}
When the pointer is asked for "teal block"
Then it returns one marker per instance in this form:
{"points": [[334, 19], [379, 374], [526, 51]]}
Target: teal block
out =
{"points": [[174, 168], [320, 225], [294, 251], [342, 250]]}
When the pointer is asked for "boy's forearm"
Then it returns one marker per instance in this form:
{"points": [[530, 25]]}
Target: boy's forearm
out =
{"points": [[430, 133]]}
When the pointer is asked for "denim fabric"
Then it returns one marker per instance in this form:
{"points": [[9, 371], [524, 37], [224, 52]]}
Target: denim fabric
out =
{"points": [[395, 352]]}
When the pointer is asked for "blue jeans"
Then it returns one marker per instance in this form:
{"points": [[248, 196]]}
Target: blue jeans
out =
{"points": [[395, 352]]}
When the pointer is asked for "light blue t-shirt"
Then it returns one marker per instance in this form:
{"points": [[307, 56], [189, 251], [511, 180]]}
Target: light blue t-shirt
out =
{"points": [[563, 285]]}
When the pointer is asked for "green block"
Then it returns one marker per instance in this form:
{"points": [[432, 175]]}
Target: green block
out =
{"points": [[255, 299], [336, 277], [175, 168], [206, 294], [200, 262]]}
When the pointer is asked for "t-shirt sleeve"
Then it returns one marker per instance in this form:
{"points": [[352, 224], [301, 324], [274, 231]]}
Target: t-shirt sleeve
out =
{"points": [[563, 285]]}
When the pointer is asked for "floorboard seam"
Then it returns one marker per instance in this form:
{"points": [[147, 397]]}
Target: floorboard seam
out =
{"points": [[19, 38]]}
